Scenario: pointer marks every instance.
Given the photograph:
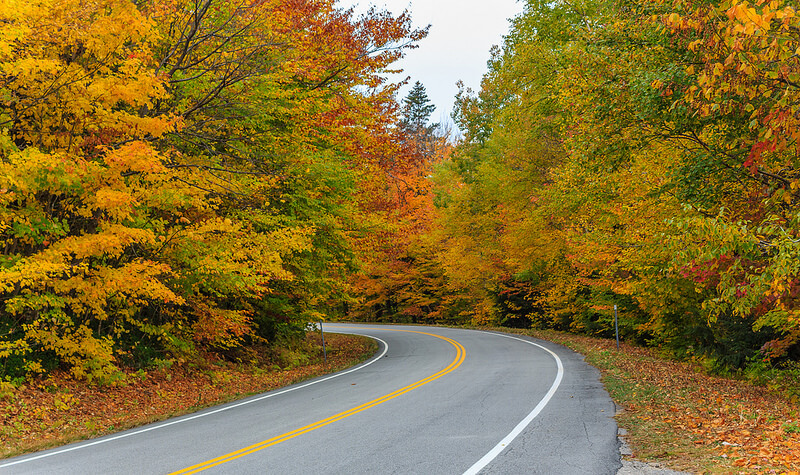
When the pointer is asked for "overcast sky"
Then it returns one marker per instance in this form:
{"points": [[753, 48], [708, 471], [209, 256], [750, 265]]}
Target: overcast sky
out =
{"points": [[457, 48]]}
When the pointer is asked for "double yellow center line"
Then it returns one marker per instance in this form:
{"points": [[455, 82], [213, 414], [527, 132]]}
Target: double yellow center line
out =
{"points": [[460, 353]]}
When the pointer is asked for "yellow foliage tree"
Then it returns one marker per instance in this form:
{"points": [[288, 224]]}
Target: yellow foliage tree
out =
{"points": [[171, 180]]}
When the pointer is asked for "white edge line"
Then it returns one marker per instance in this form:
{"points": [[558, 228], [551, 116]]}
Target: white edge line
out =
{"points": [[197, 416], [492, 454]]}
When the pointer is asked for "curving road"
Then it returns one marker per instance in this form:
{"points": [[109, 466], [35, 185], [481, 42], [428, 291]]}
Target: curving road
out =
{"points": [[432, 401]]}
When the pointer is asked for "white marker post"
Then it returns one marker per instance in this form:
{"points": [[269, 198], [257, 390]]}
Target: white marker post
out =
{"points": [[616, 325], [324, 351]]}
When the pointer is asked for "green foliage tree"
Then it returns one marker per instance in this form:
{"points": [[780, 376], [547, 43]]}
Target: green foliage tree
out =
{"points": [[633, 153]]}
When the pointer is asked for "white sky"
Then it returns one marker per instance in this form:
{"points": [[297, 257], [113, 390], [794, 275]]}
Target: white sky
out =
{"points": [[457, 47]]}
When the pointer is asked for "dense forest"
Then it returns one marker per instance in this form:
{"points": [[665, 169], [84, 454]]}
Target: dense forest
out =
{"points": [[185, 176], [637, 154], [179, 176]]}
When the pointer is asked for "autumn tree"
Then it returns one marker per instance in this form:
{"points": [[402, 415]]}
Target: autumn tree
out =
{"points": [[401, 279], [77, 178], [179, 175], [658, 180], [740, 77]]}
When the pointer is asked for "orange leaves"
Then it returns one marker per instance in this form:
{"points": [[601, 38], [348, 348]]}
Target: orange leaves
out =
{"points": [[732, 419], [117, 204], [739, 66], [111, 241], [742, 64], [218, 327], [137, 284], [766, 444], [749, 19], [136, 156]]}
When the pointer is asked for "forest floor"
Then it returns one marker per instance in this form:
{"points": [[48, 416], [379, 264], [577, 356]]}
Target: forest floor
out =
{"points": [[675, 414], [59, 410]]}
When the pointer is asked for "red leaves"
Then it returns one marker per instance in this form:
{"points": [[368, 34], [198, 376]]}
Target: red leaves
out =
{"points": [[756, 152], [778, 347], [708, 272], [220, 328]]}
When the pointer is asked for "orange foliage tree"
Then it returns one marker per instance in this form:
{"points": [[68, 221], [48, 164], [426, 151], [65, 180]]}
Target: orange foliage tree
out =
{"points": [[401, 279]]}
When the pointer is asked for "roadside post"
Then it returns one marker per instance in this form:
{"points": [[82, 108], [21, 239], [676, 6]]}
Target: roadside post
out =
{"points": [[324, 351], [616, 325]]}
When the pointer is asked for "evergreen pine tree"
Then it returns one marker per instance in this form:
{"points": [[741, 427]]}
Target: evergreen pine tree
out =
{"points": [[417, 109]]}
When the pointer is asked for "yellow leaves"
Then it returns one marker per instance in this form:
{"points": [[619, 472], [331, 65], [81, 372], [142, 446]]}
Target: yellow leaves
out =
{"points": [[64, 402], [59, 260], [115, 23], [743, 13], [27, 273], [11, 15], [119, 234], [111, 241], [745, 68], [27, 68], [237, 256], [90, 357], [748, 28], [137, 156], [742, 65], [747, 14], [215, 226], [117, 204], [92, 188], [137, 284], [78, 63]]}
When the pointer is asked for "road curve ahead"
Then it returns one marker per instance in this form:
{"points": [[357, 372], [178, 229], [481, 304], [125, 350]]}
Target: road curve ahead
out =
{"points": [[431, 401]]}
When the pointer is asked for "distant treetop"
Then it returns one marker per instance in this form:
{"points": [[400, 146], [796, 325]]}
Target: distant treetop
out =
{"points": [[417, 109]]}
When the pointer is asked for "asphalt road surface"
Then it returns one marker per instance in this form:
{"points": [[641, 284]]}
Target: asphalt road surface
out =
{"points": [[431, 401]]}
